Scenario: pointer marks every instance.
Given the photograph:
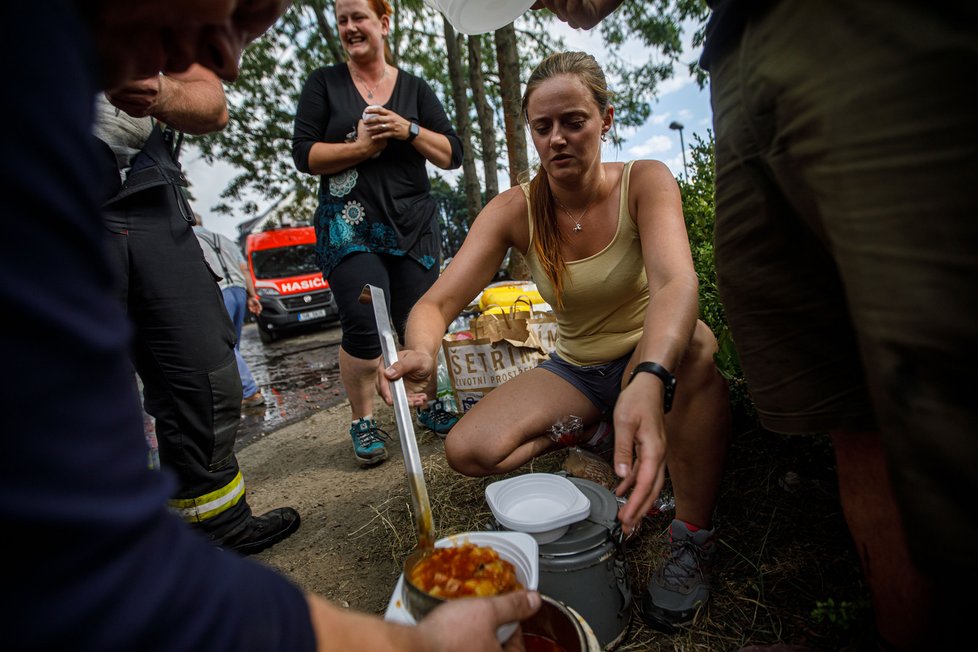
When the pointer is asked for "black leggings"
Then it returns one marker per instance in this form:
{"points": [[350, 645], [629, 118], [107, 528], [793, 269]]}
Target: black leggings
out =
{"points": [[403, 281]]}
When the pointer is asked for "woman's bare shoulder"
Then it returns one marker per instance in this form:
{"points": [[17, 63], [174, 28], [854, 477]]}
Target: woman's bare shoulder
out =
{"points": [[649, 177], [509, 203], [506, 215], [651, 185], [652, 169]]}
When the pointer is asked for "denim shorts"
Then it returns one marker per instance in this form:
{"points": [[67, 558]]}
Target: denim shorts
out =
{"points": [[601, 383]]}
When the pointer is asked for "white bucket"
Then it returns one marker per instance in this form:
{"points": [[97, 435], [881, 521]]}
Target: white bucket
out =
{"points": [[480, 16]]}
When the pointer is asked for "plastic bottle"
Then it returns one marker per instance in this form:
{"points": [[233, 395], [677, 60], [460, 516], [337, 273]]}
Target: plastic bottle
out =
{"points": [[444, 391], [460, 323]]}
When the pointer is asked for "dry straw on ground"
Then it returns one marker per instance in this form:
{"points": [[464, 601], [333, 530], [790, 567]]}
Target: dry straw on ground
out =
{"points": [[786, 569]]}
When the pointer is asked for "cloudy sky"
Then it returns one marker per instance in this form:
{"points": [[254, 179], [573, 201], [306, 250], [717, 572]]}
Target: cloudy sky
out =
{"points": [[680, 100]]}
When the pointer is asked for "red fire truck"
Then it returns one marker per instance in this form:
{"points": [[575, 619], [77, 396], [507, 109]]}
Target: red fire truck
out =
{"points": [[291, 288]]}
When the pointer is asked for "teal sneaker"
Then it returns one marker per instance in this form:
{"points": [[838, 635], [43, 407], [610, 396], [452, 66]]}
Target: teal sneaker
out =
{"points": [[368, 442], [680, 584], [437, 419]]}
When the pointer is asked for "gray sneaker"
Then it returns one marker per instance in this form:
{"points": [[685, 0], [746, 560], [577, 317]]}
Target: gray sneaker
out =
{"points": [[681, 581]]}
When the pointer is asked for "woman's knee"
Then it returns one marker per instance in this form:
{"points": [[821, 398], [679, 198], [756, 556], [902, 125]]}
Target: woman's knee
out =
{"points": [[473, 453], [463, 455], [699, 367], [361, 345], [468, 462]]}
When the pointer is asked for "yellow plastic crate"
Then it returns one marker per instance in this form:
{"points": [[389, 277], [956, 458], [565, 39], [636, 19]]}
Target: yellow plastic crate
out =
{"points": [[499, 298]]}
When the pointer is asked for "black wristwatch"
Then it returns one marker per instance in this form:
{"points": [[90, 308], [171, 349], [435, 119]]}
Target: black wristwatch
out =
{"points": [[413, 130], [668, 381]]}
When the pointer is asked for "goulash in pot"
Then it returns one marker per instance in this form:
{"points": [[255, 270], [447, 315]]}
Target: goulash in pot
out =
{"points": [[464, 571]]}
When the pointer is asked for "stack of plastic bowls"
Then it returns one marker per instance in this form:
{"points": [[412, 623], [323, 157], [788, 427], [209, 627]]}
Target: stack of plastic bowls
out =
{"points": [[543, 505], [480, 16]]}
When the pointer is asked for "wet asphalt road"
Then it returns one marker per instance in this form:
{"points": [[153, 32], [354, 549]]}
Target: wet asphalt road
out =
{"points": [[298, 375]]}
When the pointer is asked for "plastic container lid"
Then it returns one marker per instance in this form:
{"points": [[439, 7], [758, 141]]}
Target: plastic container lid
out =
{"points": [[597, 529], [541, 504]]}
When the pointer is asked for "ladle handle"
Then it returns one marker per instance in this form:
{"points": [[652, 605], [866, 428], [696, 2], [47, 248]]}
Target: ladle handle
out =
{"points": [[404, 419]]}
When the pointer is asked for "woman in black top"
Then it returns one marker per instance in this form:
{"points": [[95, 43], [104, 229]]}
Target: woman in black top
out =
{"points": [[369, 129]]}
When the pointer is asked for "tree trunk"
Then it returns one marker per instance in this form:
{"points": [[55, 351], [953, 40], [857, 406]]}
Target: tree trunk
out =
{"points": [[332, 42], [487, 127], [509, 89], [473, 191]]}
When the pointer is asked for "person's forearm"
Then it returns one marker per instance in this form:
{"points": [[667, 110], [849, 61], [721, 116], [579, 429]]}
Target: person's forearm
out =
{"points": [[343, 629], [581, 14], [249, 283], [425, 328], [435, 147], [253, 302], [330, 158], [193, 103], [669, 322]]}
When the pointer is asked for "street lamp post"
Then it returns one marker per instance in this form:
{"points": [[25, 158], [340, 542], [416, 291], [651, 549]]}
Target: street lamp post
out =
{"points": [[678, 126]]}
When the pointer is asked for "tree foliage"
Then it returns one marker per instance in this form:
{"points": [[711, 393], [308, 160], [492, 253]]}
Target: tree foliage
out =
{"points": [[261, 104], [257, 141], [699, 209], [658, 25], [452, 214]]}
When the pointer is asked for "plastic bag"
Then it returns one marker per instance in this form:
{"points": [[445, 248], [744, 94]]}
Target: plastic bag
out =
{"points": [[568, 431]]}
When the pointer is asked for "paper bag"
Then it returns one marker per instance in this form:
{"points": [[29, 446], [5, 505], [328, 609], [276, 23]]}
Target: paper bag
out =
{"points": [[478, 366], [519, 326], [543, 328], [504, 345]]}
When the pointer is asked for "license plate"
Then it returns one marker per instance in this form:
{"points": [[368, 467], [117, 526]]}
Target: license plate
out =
{"points": [[312, 314]]}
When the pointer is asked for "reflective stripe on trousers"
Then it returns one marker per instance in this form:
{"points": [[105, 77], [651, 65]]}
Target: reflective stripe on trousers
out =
{"points": [[201, 508]]}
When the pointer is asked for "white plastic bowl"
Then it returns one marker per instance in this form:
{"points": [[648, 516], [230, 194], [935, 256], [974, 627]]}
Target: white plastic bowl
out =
{"points": [[543, 505], [480, 16]]}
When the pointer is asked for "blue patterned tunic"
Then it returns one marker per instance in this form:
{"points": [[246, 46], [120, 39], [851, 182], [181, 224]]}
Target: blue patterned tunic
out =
{"points": [[383, 204]]}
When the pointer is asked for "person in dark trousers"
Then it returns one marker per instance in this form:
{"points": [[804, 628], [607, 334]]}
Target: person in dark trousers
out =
{"points": [[225, 260], [184, 343], [95, 561], [846, 257]]}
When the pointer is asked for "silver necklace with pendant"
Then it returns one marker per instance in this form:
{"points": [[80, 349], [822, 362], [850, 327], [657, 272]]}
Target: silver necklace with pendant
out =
{"points": [[580, 218], [370, 91]]}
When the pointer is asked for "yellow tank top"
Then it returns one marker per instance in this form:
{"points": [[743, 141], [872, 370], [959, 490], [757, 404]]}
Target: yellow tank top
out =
{"points": [[605, 295]]}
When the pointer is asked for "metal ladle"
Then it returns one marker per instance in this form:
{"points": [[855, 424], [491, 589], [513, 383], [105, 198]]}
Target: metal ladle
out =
{"points": [[405, 423]]}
